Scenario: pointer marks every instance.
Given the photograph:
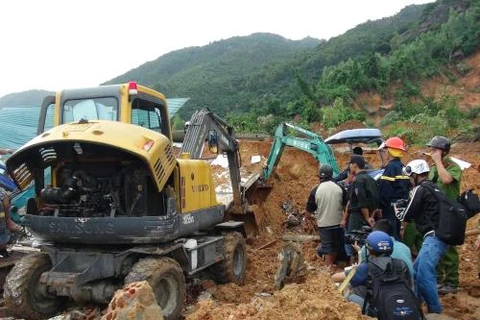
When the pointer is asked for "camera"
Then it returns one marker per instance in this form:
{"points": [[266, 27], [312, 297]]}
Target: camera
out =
{"points": [[358, 236], [401, 203]]}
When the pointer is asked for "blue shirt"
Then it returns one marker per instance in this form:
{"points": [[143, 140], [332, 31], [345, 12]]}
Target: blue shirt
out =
{"points": [[361, 275], [360, 278]]}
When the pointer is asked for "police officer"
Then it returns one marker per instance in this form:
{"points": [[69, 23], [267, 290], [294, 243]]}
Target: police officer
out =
{"points": [[446, 174]]}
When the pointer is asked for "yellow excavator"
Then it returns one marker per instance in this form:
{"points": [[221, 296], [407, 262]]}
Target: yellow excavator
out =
{"points": [[114, 205]]}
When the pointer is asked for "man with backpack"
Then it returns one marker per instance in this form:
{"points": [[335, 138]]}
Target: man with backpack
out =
{"points": [[326, 202], [386, 281], [446, 174], [424, 208], [400, 250]]}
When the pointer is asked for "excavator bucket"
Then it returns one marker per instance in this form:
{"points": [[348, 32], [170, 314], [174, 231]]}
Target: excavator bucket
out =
{"points": [[249, 212], [249, 215]]}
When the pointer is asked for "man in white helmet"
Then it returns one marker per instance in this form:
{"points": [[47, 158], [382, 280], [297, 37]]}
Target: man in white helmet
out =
{"points": [[424, 208]]}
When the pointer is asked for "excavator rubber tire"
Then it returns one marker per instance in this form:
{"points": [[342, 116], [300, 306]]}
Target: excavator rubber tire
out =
{"points": [[233, 267], [23, 293], [166, 278]]}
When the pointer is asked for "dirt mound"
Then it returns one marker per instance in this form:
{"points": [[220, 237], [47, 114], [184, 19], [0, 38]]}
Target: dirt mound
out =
{"points": [[302, 301]]}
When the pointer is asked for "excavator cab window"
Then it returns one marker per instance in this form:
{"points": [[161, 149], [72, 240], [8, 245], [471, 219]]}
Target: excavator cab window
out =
{"points": [[90, 109], [148, 115], [212, 141]]}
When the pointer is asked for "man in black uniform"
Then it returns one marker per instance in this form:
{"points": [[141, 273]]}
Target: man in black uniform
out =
{"points": [[363, 200]]}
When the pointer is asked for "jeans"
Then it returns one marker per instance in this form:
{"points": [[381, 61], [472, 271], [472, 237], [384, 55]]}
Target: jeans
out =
{"points": [[425, 274], [447, 268], [356, 299]]}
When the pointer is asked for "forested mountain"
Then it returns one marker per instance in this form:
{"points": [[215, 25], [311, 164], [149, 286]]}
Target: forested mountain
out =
{"points": [[216, 75], [234, 73]]}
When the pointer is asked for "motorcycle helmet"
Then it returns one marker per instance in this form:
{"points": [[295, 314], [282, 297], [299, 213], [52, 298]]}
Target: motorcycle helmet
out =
{"points": [[417, 166], [440, 142], [326, 171], [380, 243]]}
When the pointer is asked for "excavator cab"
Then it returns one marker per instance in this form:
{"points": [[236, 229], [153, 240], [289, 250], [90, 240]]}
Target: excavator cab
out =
{"points": [[212, 141]]}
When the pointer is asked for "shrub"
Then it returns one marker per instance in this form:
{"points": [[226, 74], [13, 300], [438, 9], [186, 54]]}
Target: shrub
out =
{"points": [[338, 114]]}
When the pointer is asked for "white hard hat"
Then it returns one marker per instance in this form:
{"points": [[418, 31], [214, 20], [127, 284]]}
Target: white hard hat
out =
{"points": [[417, 166]]}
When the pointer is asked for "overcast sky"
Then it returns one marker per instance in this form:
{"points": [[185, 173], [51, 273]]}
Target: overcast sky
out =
{"points": [[57, 44]]}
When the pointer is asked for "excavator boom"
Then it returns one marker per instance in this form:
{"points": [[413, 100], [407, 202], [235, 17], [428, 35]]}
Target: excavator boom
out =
{"points": [[312, 144], [203, 126]]}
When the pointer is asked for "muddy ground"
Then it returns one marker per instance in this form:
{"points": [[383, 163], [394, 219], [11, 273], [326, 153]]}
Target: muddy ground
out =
{"points": [[314, 296]]}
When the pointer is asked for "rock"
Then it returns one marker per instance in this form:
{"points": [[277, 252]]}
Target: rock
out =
{"points": [[205, 295], [292, 264], [135, 301]]}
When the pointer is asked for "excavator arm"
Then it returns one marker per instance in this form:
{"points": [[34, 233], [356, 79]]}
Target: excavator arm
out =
{"points": [[203, 126], [312, 143]]}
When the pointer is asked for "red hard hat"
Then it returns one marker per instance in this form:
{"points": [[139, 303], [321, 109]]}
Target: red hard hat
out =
{"points": [[395, 143]]}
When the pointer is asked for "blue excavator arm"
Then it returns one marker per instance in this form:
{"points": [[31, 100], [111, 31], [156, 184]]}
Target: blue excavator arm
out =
{"points": [[312, 143]]}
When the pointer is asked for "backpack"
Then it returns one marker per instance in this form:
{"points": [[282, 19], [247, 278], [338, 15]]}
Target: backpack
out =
{"points": [[452, 221], [470, 201], [389, 295]]}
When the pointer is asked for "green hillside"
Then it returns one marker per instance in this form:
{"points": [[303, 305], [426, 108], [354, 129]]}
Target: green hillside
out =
{"points": [[234, 74], [216, 75]]}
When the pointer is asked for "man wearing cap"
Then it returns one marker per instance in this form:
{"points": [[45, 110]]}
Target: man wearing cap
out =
{"points": [[344, 174], [363, 200], [326, 202], [446, 174], [380, 248], [363, 195], [393, 185]]}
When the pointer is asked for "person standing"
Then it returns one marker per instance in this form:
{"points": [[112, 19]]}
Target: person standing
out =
{"points": [[424, 208], [446, 174], [363, 196], [393, 184], [343, 176], [326, 202], [363, 201]]}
